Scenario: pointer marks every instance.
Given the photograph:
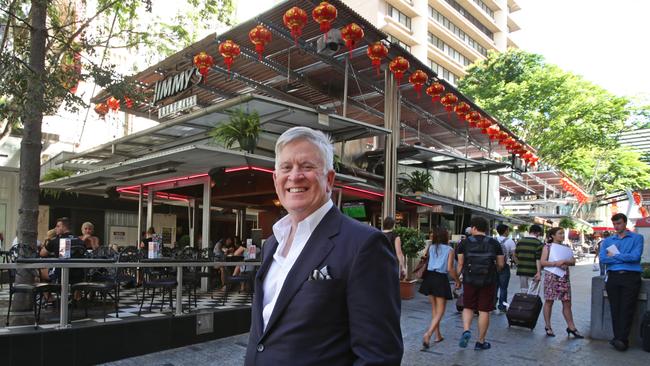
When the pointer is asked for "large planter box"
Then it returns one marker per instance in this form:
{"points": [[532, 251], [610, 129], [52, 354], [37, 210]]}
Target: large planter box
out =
{"points": [[407, 289], [601, 319]]}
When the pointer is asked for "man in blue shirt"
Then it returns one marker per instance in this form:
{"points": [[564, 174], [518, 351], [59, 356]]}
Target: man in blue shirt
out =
{"points": [[621, 253]]}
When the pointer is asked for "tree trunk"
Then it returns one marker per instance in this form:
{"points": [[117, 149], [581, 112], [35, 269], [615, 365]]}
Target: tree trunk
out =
{"points": [[30, 147]]}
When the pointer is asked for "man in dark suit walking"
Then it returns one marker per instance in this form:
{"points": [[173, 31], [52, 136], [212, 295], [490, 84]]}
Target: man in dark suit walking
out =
{"points": [[327, 292]]}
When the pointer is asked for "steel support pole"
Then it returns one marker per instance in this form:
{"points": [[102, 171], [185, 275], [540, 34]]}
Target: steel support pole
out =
{"points": [[205, 229], [150, 194], [140, 195], [65, 291], [391, 122]]}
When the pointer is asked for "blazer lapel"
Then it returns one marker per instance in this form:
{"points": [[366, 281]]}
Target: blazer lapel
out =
{"points": [[315, 250], [259, 283]]}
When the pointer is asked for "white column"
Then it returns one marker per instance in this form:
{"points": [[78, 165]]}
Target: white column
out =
{"points": [[419, 27], [501, 20]]}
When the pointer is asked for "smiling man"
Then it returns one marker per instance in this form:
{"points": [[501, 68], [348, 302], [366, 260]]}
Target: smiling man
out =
{"points": [[327, 292]]}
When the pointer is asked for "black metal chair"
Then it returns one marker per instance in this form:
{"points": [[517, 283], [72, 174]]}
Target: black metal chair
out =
{"points": [[37, 290], [163, 279], [191, 275], [100, 280]]}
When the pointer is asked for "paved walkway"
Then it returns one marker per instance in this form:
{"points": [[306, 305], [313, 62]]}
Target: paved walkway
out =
{"points": [[510, 346]]}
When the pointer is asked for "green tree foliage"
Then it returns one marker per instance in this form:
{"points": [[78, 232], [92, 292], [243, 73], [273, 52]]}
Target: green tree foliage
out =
{"points": [[573, 123]]}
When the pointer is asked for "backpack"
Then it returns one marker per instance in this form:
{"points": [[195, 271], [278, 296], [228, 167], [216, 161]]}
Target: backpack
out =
{"points": [[480, 267]]}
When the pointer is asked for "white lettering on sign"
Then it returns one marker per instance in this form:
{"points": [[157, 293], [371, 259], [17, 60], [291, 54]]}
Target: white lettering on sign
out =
{"points": [[174, 84], [177, 106]]}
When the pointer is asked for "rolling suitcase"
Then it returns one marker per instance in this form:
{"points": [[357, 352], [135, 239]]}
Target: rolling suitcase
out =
{"points": [[645, 331], [524, 309]]}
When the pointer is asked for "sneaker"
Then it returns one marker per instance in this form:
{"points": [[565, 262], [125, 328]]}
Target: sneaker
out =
{"points": [[482, 346], [464, 339]]}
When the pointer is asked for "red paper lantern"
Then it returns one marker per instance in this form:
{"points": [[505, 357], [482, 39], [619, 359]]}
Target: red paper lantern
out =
{"points": [[229, 50], [473, 118], [637, 198], [503, 137], [295, 19], [448, 101], [101, 109], [483, 124], [492, 131], [260, 36], [377, 52], [462, 109], [398, 67], [435, 90], [113, 104], [418, 79], [351, 34], [204, 62], [643, 211], [128, 102], [324, 14]]}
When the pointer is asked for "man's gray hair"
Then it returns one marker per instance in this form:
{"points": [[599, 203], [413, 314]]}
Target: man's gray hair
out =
{"points": [[318, 138]]}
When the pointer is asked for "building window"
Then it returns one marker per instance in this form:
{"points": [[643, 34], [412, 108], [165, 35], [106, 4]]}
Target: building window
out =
{"points": [[399, 16], [450, 51], [471, 18], [394, 40], [485, 8], [443, 73], [442, 20]]}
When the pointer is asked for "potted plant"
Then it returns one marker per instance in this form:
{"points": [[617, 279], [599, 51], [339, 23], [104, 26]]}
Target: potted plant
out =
{"points": [[412, 244], [416, 182], [243, 128]]}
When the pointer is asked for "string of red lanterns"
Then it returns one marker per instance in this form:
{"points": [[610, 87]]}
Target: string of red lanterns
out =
{"points": [[570, 187], [325, 14]]}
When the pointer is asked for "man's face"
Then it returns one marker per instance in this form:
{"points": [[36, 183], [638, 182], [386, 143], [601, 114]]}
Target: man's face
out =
{"points": [[60, 229], [619, 225], [300, 183]]}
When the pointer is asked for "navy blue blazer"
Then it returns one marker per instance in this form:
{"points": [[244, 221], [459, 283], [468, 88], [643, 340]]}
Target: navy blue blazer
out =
{"points": [[352, 319]]}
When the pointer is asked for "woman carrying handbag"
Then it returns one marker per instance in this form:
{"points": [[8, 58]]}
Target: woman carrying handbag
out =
{"points": [[435, 282]]}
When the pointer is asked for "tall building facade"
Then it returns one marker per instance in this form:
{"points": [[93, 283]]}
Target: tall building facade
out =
{"points": [[447, 35]]}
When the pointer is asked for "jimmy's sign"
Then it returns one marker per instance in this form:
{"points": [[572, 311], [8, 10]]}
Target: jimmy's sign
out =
{"points": [[175, 84]]}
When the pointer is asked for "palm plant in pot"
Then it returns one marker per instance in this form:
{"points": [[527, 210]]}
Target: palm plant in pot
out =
{"points": [[416, 182], [243, 128], [412, 244]]}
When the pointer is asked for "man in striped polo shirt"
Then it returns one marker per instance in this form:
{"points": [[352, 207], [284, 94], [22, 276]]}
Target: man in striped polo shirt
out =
{"points": [[527, 256]]}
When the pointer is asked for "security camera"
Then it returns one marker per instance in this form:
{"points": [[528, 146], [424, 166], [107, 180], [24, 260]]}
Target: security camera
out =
{"points": [[330, 43]]}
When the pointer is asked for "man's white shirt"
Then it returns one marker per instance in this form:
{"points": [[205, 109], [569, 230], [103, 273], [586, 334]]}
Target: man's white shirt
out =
{"points": [[280, 267], [508, 245]]}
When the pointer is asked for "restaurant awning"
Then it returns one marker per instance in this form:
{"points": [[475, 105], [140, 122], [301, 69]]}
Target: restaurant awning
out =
{"points": [[187, 160], [435, 159], [276, 116]]}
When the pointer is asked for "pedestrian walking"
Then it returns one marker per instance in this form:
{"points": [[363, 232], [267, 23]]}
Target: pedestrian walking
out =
{"points": [[527, 254], [396, 243], [479, 259], [622, 254], [435, 283], [601, 266], [503, 276], [556, 260]]}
